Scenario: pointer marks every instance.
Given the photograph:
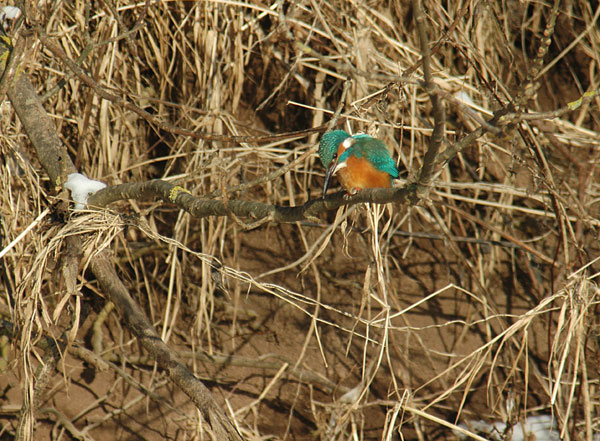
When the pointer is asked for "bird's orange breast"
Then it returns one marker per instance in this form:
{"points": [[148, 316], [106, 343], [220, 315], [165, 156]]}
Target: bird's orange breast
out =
{"points": [[359, 173]]}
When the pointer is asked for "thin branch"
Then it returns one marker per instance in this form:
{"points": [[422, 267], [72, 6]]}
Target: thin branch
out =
{"points": [[427, 169]]}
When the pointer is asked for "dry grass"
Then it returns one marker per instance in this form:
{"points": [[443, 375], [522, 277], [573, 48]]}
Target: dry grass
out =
{"points": [[381, 321]]}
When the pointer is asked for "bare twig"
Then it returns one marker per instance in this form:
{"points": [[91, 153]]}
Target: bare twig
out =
{"points": [[429, 161]]}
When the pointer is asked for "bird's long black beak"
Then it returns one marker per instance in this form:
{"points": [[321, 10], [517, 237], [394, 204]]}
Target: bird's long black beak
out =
{"points": [[329, 174]]}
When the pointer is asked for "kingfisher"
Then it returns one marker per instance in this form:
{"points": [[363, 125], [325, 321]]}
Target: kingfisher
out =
{"points": [[360, 161]]}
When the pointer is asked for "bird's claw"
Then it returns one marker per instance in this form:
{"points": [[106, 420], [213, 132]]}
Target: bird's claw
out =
{"points": [[350, 192]]}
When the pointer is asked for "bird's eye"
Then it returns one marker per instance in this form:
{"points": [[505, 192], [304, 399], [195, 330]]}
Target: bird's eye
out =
{"points": [[334, 156]]}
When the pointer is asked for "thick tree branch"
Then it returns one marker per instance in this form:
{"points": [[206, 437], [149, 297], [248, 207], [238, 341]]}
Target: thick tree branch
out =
{"points": [[200, 207], [40, 130]]}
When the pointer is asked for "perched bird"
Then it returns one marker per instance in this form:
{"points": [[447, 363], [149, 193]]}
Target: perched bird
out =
{"points": [[359, 161]]}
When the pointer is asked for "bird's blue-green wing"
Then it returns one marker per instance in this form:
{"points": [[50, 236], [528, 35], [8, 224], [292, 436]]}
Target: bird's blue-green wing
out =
{"points": [[375, 151]]}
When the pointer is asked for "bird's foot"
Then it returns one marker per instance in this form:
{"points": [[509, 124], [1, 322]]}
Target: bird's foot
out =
{"points": [[351, 192]]}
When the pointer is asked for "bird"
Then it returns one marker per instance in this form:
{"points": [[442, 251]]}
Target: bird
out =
{"points": [[360, 161]]}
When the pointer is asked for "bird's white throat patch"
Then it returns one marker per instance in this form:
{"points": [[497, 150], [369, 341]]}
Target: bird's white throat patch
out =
{"points": [[339, 166]]}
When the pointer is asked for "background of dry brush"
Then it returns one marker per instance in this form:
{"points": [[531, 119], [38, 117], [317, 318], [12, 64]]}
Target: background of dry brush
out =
{"points": [[479, 303]]}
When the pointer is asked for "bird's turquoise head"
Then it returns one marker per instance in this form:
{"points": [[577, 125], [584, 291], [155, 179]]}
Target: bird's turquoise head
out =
{"points": [[329, 145]]}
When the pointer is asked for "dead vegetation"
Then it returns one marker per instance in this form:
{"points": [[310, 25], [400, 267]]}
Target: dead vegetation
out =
{"points": [[476, 300]]}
